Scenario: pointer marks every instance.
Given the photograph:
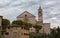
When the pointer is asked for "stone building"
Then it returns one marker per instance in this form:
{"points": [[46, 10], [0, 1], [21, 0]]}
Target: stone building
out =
{"points": [[27, 17], [30, 18], [15, 31], [1, 17], [0, 23]]}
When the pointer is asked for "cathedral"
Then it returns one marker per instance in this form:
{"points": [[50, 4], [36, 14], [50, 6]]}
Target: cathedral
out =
{"points": [[16, 32]]}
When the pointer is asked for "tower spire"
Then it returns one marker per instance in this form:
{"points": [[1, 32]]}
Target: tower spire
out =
{"points": [[40, 10], [40, 17]]}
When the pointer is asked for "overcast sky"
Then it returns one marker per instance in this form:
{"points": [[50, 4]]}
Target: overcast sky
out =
{"points": [[51, 9]]}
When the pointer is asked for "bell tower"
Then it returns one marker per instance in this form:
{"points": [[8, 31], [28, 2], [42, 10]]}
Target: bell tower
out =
{"points": [[40, 16]]}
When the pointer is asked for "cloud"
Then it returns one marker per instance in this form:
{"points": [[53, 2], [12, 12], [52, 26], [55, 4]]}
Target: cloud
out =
{"points": [[51, 9], [52, 12]]}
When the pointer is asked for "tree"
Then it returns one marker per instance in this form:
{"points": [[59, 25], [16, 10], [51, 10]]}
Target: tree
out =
{"points": [[5, 23], [37, 27], [38, 35], [22, 24], [58, 32], [55, 33], [18, 22], [27, 25]]}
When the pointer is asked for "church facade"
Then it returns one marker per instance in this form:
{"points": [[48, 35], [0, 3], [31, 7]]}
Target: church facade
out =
{"points": [[27, 17], [16, 32], [30, 18]]}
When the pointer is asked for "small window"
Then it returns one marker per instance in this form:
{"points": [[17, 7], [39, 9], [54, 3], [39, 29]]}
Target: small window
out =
{"points": [[25, 15], [26, 34], [21, 27], [6, 33], [8, 27]]}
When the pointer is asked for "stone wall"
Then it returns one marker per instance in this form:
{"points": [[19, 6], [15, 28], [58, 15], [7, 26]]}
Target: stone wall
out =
{"points": [[1, 20], [17, 32], [30, 20], [26, 15], [46, 27]]}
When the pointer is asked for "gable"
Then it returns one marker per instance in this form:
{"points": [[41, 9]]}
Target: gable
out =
{"points": [[25, 13]]}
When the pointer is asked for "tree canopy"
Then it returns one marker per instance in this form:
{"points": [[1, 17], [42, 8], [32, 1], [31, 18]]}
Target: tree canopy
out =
{"points": [[22, 24], [37, 27], [5, 23], [18, 22]]}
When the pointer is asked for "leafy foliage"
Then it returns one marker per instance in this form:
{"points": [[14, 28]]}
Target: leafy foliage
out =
{"points": [[5, 23], [22, 24], [37, 35], [18, 22], [37, 27], [27, 25], [55, 33]]}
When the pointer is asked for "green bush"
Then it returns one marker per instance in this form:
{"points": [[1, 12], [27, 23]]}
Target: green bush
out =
{"points": [[18, 22], [22, 24], [37, 27]]}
